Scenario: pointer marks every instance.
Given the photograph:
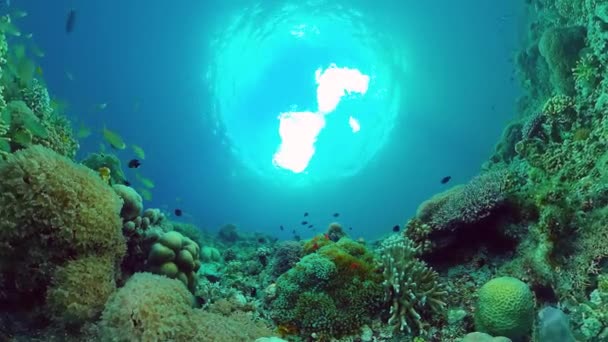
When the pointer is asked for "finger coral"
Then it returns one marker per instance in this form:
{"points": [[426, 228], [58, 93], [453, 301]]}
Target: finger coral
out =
{"points": [[412, 288]]}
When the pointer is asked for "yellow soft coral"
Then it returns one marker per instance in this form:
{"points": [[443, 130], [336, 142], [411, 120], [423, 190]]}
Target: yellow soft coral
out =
{"points": [[155, 308], [80, 290], [52, 211]]}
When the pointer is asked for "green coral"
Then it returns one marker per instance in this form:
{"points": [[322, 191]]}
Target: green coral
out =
{"points": [[175, 256], [339, 280], [80, 289], [560, 46], [412, 288], [52, 211], [95, 161], [155, 308], [505, 307]]}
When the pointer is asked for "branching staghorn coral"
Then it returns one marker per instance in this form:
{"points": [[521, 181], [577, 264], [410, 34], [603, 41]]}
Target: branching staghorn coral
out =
{"points": [[411, 286]]}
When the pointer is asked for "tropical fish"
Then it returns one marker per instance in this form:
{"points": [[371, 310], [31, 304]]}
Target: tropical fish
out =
{"points": [[336, 214], [136, 106], [58, 106], [306, 214], [29, 35], [304, 223], [104, 173], [113, 139], [69, 76], [101, 106], [145, 181], [139, 152], [134, 164], [70, 21], [18, 14], [39, 71], [396, 228], [145, 194], [178, 212], [37, 51], [83, 132], [28, 119], [445, 179], [9, 28]]}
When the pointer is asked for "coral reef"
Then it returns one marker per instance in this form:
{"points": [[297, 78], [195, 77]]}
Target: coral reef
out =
{"points": [[53, 212], [505, 307], [175, 256], [132, 202], [413, 289], [331, 292], [95, 161], [154, 308]]}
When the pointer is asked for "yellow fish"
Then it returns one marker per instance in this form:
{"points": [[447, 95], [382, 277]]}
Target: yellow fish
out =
{"points": [[9, 28], [139, 152], [19, 14], [37, 51], [113, 139], [83, 132], [145, 194], [145, 181], [104, 173], [39, 71]]}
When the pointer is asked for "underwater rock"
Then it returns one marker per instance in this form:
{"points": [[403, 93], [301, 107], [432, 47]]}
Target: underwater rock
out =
{"points": [[229, 233], [553, 326], [483, 337]]}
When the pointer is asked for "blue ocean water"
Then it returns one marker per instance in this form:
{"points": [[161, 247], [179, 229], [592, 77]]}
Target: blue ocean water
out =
{"points": [[200, 84]]}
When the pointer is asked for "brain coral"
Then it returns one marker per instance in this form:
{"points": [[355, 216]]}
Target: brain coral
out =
{"points": [[505, 308], [52, 211]]}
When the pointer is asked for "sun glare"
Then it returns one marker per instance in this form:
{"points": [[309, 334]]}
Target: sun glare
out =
{"points": [[299, 130]]}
